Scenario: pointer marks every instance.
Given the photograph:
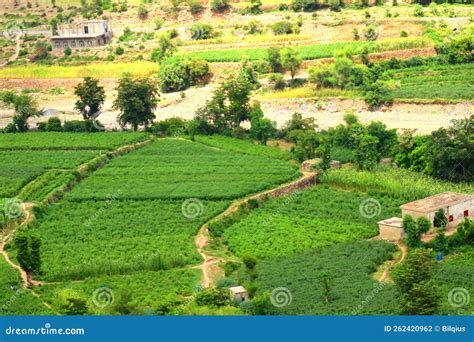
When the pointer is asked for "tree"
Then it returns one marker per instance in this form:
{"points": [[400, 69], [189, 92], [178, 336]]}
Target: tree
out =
{"points": [[180, 73], [229, 106], [165, 48], [261, 129], [419, 295], [28, 244], [411, 230], [91, 98], [25, 108], [440, 220], [366, 156], [291, 61], [136, 100], [273, 57]]}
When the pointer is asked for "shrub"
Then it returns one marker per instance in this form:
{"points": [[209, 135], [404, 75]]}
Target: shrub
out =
{"points": [[158, 23], [195, 6], [282, 27], [119, 51], [273, 56], [277, 81], [213, 297], [178, 74], [219, 5], [305, 5], [201, 31], [418, 11], [142, 12], [67, 51], [169, 127], [52, 125], [403, 34]]}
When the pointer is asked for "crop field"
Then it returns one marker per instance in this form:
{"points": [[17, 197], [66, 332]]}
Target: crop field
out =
{"points": [[173, 168], [14, 299], [82, 239], [312, 51], [68, 141], [147, 290], [243, 146], [102, 70], [311, 219], [349, 266], [19, 167], [436, 82], [399, 183]]}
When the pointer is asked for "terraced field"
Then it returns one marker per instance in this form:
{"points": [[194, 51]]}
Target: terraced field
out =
{"points": [[436, 82]]}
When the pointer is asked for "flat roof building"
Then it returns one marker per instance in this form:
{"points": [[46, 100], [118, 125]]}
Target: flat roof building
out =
{"points": [[82, 34]]}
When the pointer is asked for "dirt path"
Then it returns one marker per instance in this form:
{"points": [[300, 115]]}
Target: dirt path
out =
{"points": [[385, 274], [15, 54], [210, 267]]}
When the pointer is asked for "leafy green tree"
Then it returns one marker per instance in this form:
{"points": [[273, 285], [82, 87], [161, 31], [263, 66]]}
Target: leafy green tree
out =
{"points": [[136, 100], [419, 295], [213, 297], [366, 156], [166, 48], [25, 108], [229, 106], [273, 57], [28, 244], [291, 61], [219, 5], [91, 97], [411, 230], [261, 128], [74, 306], [387, 137]]}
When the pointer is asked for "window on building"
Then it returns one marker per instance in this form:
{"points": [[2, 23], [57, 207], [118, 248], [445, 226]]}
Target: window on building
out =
{"points": [[65, 44], [451, 218], [81, 43], [466, 213], [57, 44], [73, 44], [86, 29], [89, 42]]}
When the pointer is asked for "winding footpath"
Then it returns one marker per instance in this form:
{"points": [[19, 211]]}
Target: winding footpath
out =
{"points": [[210, 266], [385, 274]]}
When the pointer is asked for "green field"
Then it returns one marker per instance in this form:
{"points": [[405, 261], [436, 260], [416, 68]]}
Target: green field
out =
{"points": [[179, 169], [435, 82], [311, 51], [350, 267]]}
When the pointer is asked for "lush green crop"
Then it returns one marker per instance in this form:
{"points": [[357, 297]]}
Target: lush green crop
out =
{"points": [[435, 82], [456, 271], [68, 141], [117, 236], [243, 146], [352, 289], [147, 291], [19, 167], [313, 218], [401, 183], [14, 300], [176, 168], [312, 51]]}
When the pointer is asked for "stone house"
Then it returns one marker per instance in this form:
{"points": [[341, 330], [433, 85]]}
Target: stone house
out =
{"points": [[456, 206], [81, 35], [238, 293]]}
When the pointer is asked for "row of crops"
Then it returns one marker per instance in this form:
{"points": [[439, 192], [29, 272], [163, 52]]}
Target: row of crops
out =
{"points": [[179, 169], [435, 82], [23, 157], [312, 51]]}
